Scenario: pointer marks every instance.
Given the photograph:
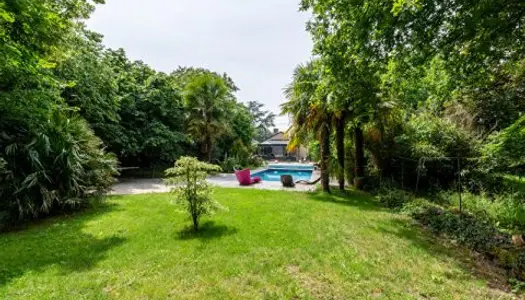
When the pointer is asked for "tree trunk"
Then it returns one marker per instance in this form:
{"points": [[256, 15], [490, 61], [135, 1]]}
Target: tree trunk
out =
{"points": [[359, 157], [350, 161], [195, 220], [340, 141], [204, 150], [325, 156], [209, 148]]}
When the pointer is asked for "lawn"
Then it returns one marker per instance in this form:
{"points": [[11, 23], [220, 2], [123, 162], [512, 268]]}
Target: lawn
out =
{"points": [[269, 245]]}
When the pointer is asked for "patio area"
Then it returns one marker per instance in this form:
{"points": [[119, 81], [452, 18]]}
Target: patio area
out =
{"points": [[156, 185]]}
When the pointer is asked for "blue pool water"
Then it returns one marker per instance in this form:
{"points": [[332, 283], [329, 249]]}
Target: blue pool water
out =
{"points": [[274, 172]]}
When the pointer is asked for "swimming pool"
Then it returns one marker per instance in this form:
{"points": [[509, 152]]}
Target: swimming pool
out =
{"points": [[274, 172]]}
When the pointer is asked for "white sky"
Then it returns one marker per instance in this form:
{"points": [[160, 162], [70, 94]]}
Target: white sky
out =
{"points": [[258, 43]]}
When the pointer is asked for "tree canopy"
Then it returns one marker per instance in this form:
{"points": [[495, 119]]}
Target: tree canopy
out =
{"points": [[411, 76], [71, 110]]}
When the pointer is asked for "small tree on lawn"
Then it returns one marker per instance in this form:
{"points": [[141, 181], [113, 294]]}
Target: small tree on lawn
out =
{"points": [[191, 190]]}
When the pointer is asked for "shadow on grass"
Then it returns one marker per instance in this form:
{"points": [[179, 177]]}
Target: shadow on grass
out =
{"points": [[58, 242], [467, 260], [406, 229], [355, 199], [207, 231]]}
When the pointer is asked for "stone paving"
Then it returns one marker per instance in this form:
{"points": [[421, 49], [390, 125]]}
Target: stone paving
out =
{"points": [[147, 186]]}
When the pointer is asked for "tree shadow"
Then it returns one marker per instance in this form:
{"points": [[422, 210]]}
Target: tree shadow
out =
{"points": [[359, 200], [57, 242], [469, 261], [207, 231]]}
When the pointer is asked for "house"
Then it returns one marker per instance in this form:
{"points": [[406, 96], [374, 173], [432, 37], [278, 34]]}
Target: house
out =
{"points": [[275, 148]]}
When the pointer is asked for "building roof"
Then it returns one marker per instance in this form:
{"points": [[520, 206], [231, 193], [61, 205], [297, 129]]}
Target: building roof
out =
{"points": [[278, 139], [274, 143]]}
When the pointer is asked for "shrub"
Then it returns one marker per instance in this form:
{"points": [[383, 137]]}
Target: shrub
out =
{"points": [[474, 233], [505, 150], [402, 153], [465, 229], [394, 198], [505, 211], [54, 166], [230, 164], [192, 191]]}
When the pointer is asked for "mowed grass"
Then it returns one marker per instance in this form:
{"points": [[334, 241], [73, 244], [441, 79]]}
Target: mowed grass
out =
{"points": [[269, 245]]}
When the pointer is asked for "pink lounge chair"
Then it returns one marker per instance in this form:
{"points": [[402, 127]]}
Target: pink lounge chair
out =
{"points": [[244, 177]]}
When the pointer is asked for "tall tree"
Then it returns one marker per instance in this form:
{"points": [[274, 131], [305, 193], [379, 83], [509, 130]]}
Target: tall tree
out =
{"points": [[206, 98], [340, 147], [308, 106], [354, 74], [263, 120], [90, 84]]}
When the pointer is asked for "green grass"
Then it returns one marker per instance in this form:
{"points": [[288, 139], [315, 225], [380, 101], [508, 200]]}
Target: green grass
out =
{"points": [[269, 245]]}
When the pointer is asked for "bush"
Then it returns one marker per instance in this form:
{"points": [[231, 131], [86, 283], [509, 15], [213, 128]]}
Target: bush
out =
{"points": [[465, 229], [230, 164], [192, 191], [54, 166], [505, 150], [403, 153], [394, 198], [506, 211], [477, 234]]}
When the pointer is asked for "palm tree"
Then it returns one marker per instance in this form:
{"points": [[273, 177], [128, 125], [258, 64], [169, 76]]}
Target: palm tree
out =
{"points": [[307, 105], [207, 98], [340, 124]]}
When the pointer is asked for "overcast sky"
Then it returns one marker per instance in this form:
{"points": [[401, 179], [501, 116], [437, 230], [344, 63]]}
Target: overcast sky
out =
{"points": [[257, 42]]}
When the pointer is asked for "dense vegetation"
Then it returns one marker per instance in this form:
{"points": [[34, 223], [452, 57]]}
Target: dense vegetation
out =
{"points": [[71, 111], [409, 84], [426, 97]]}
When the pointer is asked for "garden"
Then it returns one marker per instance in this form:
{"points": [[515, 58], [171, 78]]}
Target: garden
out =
{"points": [[414, 112]]}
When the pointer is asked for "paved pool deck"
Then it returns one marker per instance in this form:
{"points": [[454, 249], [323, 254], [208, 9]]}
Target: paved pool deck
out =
{"points": [[148, 186]]}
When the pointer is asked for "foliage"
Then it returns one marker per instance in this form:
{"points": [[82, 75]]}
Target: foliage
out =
{"points": [[191, 190], [497, 102], [475, 233], [184, 75], [307, 105], [237, 143], [394, 198], [150, 128], [423, 84], [262, 120], [505, 211], [207, 98], [429, 136], [90, 85], [505, 150], [456, 61], [57, 165], [420, 149], [465, 229], [52, 161], [483, 225], [230, 164], [34, 35], [470, 34]]}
